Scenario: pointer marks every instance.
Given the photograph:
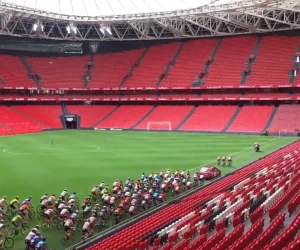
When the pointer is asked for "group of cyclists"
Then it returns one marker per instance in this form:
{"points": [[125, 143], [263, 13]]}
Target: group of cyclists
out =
{"points": [[18, 213], [104, 206]]}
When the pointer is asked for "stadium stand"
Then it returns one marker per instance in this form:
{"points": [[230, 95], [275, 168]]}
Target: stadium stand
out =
{"points": [[251, 119], [13, 72], [56, 72], [266, 94], [125, 116], [265, 70], [286, 119], [89, 115], [47, 115], [229, 214], [152, 65], [121, 63], [185, 71], [209, 118], [230, 61], [172, 114], [17, 123]]}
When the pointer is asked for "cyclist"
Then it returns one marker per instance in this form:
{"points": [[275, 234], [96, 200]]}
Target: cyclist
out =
{"points": [[29, 237], [86, 229], [86, 202], [24, 209], [35, 240], [14, 203], [73, 196], [64, 195], [16, 222], [69, 226], [64, 213], [103, 213], [49, 215]]}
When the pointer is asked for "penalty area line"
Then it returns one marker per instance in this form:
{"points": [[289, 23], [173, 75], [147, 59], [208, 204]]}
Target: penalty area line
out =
{"points": [[238, 152]]}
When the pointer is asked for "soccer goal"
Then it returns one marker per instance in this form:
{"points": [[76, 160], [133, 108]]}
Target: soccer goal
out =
{"points": [[159, 126], [283, 133]]}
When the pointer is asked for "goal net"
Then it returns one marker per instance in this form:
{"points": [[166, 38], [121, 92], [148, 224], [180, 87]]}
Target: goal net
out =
{"points": [[159, 126], [283, 133]]}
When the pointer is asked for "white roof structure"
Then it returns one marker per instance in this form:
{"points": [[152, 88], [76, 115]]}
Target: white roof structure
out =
{"points": [[107, 7], [119, 20]]}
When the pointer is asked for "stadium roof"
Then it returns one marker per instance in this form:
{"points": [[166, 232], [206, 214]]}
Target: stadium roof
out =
{"points": [[108, 7], [120, 20]]}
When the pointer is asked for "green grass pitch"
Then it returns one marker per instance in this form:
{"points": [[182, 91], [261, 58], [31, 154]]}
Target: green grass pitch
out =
{"points": [[30, 165]]}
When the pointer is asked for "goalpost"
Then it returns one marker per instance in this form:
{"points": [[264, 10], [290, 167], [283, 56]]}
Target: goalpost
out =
{"points": [[159, 126]]}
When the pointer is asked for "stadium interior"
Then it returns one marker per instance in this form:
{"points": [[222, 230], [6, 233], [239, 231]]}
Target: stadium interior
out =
{"points": [[242, 84]]}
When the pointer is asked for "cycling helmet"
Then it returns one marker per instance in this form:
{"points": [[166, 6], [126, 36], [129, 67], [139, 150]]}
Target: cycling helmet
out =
{"points": [[17, 197]]}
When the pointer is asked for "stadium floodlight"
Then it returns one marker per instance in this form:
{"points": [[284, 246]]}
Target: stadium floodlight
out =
{"points": [[72, 30], [38, 28], [105, 30]]}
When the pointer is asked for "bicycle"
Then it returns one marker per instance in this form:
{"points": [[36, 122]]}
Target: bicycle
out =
{"points": [[65, 238], [53, 224], [24, 230], [8, 241]]}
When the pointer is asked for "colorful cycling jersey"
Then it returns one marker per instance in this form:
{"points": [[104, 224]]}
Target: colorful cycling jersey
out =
{"points": [[49, 211], [2, 226], [40, 244], [14, 201], [86, 225], [73, 196], [24, 207], [103, 210], [156, 194], [30, 235], [35, 240], [17, 218], [69, 223]]}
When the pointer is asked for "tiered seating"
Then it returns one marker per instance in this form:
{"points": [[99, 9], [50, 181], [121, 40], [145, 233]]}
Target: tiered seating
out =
{"points": [[89, 114], [209, 118], [172, 114], [13, 72], [47, 114], [18, 122], [109, 69], [270, 67], [58, 72], [217, 199], [251, 119], [178, 96], [190, 62], [287, 118], [153, 64], [230, 61], [124, 117]]}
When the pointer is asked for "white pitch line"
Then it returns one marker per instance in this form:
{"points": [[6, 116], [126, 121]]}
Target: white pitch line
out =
{"points": [[235, 153]]}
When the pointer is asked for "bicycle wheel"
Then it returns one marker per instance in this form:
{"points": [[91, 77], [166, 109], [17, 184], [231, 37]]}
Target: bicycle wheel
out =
{"points": [[59, 225], [39, 209], [9, 242], [25, 230], [10, 214], [64, 240], [44, 226]]}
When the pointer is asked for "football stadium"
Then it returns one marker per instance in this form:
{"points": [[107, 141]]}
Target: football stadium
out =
{"points": [[150, 124]]}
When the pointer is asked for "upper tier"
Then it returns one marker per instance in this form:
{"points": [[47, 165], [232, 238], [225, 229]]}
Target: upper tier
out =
{"points": [[239, 62]]}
